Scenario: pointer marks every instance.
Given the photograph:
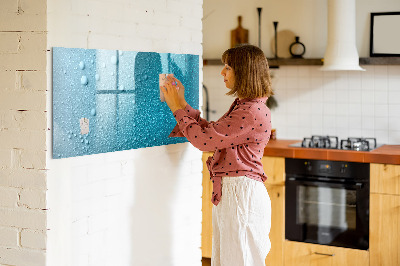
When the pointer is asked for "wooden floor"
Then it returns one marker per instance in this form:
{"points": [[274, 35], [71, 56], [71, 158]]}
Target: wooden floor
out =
{"points": [[206, 261]]}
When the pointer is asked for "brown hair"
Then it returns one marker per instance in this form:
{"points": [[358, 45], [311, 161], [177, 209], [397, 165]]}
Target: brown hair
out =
{"points": [[250, 66]]}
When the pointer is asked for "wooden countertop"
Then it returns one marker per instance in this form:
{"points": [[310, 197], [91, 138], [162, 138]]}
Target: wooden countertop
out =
{"points": [[389, 154]]}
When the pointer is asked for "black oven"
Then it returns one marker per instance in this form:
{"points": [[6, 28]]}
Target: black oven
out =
{"points": [[327, 202]]}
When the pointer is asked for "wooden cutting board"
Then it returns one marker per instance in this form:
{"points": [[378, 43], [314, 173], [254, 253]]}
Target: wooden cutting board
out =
{"points": [[239, 35]]}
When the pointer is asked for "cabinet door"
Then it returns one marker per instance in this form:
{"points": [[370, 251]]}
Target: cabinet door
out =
{"points": [[277, 233], [385, 178], [206, 232], [274, 168], [384, 230], [304, 254]]}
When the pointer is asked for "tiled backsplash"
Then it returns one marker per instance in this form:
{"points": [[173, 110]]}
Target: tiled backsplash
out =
{"points": [[314, 102]]}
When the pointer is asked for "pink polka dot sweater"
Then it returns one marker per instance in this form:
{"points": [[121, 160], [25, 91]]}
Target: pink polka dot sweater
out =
{"points": [[238, 139]]}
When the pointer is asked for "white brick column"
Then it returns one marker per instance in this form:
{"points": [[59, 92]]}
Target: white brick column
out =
{"points": [[23, 132]]}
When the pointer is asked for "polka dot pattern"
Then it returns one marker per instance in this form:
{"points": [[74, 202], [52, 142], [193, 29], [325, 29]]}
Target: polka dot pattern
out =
{"points": [[238, 139]]}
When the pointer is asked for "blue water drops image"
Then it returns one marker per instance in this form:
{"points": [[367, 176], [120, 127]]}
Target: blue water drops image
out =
{"points": [[84, 80], [119, 107], [114, 60], [81, 65]]}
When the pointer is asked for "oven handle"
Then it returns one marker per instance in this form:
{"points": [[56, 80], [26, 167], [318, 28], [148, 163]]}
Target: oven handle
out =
{"points": [[357, 185]]}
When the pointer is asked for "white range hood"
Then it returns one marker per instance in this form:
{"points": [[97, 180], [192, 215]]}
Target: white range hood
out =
{"points": [[341, 51]]}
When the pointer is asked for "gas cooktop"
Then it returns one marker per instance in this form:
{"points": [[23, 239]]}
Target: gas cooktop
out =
{"points": [[332, 142]]}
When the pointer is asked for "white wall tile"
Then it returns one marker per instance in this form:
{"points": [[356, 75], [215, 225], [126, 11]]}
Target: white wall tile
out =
{"points": [[381, 83], [355, 96], [342, 122], [394, 123], [382, 136], [368, 123], [381, 123], [342, 109], [355, 132], [380, 71], [366, 100], [329, 109], [367, 96], [394, 137], [381, 110], [394, 110], [342, 80], [381, 97], [291, 71], [367, 110], [292, 82], [304, 82], [394, 97]]}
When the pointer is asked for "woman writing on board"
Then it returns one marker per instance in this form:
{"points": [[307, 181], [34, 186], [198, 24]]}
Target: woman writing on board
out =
{"points": [[242, 209]]}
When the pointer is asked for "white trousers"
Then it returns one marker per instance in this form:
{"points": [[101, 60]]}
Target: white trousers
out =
{"points": [[241, 223]]}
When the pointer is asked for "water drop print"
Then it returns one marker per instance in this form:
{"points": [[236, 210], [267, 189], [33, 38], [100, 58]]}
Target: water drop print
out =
{"points": [[114, 60], [84, 80], [81, 65]]}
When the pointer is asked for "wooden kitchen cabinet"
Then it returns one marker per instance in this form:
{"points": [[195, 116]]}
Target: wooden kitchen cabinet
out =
{"points": [[277, 233], [274, 168], [206, 225], [385, 178], [305, 254], [384, 236]]}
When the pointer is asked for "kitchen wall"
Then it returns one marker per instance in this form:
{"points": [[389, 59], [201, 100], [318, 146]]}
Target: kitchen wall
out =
{"points": [[311, 102], [304, 18], [136, 207]]}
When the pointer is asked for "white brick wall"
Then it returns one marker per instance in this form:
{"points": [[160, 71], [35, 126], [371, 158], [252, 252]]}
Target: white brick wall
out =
{"points": [[100, 206], [23, 132], [137, 207]]}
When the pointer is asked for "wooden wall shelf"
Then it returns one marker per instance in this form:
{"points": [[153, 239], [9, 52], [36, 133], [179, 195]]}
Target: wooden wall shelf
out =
{"points": [[274, 63], [380, 61]]}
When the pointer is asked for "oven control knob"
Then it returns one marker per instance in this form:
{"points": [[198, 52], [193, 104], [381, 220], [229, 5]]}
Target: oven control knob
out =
{"points": [[308, 166], [343, 168]]}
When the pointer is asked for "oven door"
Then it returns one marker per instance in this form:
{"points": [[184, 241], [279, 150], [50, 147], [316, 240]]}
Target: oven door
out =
{"points": [[327, 213]]}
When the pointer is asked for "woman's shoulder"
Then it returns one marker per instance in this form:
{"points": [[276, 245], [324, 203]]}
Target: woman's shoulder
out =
{"points": [[257, 104]]}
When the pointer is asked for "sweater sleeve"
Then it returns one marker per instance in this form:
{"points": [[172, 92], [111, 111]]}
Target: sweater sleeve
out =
{"points": [[193, 113], [234, 129]]}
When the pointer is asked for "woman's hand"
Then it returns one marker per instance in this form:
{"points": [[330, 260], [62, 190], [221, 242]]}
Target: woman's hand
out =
{"points": [[181, 90], [172, 95]]}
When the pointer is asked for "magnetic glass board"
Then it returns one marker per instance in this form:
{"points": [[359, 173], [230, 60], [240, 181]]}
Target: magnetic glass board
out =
{"points": [[109, 100]]}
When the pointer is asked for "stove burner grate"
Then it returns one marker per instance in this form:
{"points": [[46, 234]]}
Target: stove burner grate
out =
{"points": [[332, 142], [358, 144], [327, 142]]}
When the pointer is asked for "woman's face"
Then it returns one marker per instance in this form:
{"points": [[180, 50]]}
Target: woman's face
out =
{"points": [[229, 76]]}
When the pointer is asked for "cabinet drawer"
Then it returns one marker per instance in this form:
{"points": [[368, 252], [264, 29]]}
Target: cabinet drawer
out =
{"points": [[304, 254]]}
